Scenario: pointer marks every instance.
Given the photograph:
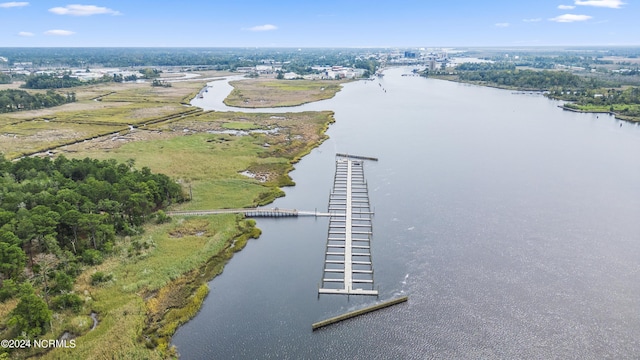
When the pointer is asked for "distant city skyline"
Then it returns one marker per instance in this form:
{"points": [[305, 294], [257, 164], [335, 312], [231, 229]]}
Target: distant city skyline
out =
{"points": [[357, 23]]}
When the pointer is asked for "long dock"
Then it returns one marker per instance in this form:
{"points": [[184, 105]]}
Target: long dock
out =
{"points": [[355, 313], [251, 212], [347, 266]]}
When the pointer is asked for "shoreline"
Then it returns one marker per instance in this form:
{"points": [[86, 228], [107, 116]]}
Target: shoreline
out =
{"points": [[193, 285], [617, 116], [630, 119]]}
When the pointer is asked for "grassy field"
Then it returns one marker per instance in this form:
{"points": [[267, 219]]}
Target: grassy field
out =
{"points": [[159, 277], [262, 93]]}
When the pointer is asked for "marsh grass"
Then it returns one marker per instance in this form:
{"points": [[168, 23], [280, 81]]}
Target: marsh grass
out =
{"points": [[28, 132], [36, 136], [151, 295], [237, 125], [261, 93]]}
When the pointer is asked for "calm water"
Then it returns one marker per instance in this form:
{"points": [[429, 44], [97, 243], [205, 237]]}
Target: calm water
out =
{"points": [[511, 224]]}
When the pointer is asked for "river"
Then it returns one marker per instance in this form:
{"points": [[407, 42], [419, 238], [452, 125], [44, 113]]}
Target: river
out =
{"points": [[511, 225]]}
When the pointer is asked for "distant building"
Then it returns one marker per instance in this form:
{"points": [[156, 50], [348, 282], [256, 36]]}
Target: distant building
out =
{"points": [[264, 69], [22, 66], [339, 72], [432, 64], [246, 69], [409, 55], [291, 75]]}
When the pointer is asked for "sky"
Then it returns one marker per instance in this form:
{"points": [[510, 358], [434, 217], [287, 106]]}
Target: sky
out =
{"points": [[327, 23]]}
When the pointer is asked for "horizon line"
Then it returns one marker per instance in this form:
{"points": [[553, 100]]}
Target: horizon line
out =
{"points": [[319, 47]]}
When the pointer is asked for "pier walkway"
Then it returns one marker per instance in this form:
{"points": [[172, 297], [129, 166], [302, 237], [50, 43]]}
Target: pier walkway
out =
{"points": [[347, 266], [251, 212]]}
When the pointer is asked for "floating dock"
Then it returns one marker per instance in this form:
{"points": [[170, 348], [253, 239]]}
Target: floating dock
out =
{"points": [[347, 266], [355, 313]]}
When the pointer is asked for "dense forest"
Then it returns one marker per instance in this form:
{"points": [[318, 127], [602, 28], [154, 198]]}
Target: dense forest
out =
{"points": [[506, 75], [57, 216], [528, 79], [613, 66], [488, 66], [15, 100], [548, 58], [299, 61]]}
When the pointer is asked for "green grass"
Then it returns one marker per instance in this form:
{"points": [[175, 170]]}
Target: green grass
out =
{"points": [[173, 256], [302, 85], [211, 168]]}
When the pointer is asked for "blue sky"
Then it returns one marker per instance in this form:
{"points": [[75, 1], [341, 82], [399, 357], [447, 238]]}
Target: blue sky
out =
{"points": [[329, 23]]}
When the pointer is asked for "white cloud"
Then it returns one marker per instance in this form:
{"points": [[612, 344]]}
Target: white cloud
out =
{"points": [[266, 27], [613, 4], [532, 20], [13, 4], [59, 32], [502, 25], [83, 10], [566, 7], [566, 18], [25, 33]]}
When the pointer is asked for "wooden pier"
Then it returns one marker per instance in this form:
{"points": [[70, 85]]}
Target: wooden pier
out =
{"points": [[251, 212], [347, 266]]}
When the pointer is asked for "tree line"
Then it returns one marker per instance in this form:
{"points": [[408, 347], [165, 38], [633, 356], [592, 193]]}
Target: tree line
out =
{"points": [[485, 66], [528, 79], [15, 100], [5, 78], [57, 216], [49, 81], [506, 75], [213, 58], [622, 101]]}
